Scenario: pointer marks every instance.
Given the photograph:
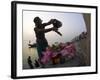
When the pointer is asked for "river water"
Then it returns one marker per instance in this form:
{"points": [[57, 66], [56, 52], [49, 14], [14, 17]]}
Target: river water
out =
{"points": [[28, 52]]}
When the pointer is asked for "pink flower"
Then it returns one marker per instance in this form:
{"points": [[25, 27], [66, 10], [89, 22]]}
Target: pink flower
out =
{"points": [[64, 52], [54, 54], [44, 60], [65, 49], [62, 45], [69, 50], [46, 57]]}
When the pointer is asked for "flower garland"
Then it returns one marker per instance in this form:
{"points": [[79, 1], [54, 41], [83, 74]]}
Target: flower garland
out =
{"points": [[67, 50]]}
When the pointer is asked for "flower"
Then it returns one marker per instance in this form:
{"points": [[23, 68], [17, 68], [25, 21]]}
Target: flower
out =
{"points": [[68, 50], [64, 52], [64, 49], [46, 56]]}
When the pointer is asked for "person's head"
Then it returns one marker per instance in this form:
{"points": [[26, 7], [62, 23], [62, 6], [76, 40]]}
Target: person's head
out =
{"points": [[37, 20], [29, 57]]}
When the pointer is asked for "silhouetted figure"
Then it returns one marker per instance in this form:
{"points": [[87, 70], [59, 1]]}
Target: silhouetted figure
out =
{"points": [[40, 34], [30, 62], [36, 63]]}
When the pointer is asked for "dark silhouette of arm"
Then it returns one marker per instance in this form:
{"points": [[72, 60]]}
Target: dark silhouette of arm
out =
{"points": [[43, 30], [46, 24]]}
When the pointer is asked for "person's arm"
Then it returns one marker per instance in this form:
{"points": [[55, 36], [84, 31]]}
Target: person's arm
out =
{"points": [[45, 30], [48, 23]]}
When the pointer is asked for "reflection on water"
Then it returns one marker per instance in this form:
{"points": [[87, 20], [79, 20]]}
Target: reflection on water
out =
{"points": [[28, 52]]}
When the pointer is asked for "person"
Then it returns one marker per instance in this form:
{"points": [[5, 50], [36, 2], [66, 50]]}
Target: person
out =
{"points": [[30, 62], [36, 63], [40, 31]]}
